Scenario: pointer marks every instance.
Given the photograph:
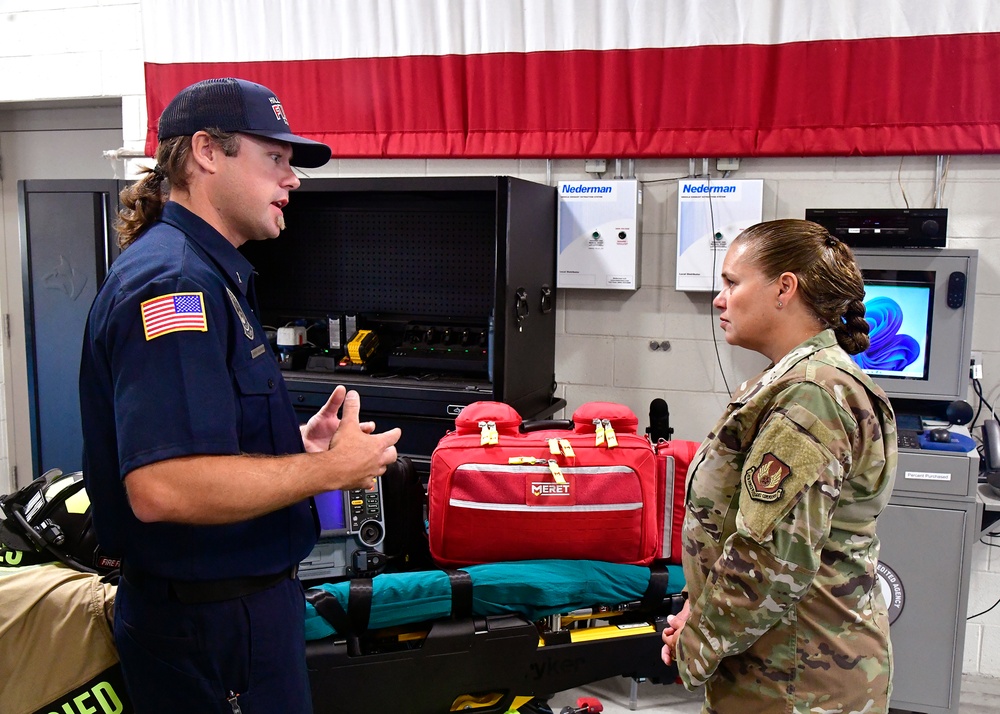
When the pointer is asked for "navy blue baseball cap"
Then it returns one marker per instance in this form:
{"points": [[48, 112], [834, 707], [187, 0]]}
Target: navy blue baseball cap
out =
{"points": [[231, 104]]}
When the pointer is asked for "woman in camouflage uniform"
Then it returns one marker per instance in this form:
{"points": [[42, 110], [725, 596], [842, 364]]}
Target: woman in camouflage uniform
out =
{"points": [[784, 611]]}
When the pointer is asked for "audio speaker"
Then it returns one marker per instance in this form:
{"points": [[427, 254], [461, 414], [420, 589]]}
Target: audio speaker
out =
{"points": [[959, 412]]}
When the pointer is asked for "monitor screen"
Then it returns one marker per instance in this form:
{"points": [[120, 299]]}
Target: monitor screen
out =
{"points": [[919, 305], [330, 510], [898, 308]]}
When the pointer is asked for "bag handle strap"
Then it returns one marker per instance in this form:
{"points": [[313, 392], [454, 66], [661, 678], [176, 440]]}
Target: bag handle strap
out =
{"points": [[541, 424]]}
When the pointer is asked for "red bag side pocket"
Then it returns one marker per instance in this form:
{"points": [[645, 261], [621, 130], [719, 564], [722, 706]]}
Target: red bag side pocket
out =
{"points": [[673, 458]]}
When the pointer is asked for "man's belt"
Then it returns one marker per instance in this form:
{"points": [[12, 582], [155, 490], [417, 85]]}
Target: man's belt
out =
{"points": [[194, 592]]}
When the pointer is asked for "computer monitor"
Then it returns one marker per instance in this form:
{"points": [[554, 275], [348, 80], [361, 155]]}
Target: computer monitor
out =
{"points": [[919, 308], [898, 309]]}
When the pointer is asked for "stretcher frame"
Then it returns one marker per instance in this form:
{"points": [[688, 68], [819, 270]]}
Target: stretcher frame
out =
{"points": [[486, 664]]}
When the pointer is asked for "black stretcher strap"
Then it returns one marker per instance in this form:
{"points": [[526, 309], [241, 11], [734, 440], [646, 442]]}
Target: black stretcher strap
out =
{"points": [[656, 590], [461, 593], [330, 609], [353, 623], [359, 604]]}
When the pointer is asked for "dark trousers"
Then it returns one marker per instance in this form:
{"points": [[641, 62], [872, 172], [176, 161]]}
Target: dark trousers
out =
{"points": [[245, 655]]}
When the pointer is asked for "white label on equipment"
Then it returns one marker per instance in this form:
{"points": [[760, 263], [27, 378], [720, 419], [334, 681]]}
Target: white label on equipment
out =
{"points": [[927, 476]]}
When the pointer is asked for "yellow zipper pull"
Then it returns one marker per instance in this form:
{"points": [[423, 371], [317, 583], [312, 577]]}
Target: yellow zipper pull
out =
{"points": [[554, 447], [557, 473], [598, 432], [488, 433], [609, 434], [567, 449]]}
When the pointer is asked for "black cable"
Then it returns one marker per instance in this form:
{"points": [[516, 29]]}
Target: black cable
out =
{"points": [[715, 257], [990, 545], [663, 180], [977, 387], [984, 611]]}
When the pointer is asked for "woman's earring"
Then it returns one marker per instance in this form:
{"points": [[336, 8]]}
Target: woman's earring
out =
{"points": [[779, 304]]}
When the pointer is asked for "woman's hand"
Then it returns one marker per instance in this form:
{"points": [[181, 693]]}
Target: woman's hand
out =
{"points": [[672, 632]]}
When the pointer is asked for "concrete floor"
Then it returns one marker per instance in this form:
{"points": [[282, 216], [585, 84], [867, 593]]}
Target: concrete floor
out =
{"points": [[980, 695]]}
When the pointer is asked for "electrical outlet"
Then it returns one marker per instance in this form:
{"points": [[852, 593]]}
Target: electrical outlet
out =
{"points": [[976, 366]]}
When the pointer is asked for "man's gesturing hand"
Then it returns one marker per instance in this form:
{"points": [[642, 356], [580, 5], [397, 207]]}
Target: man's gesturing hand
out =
{"points": [[361, 455]]}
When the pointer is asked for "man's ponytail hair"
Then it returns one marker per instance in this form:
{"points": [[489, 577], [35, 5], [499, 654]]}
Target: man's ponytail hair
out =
{"points": [[142, 201]]}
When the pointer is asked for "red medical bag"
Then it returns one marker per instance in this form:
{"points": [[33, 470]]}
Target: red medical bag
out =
{"points": [[582, 489]]}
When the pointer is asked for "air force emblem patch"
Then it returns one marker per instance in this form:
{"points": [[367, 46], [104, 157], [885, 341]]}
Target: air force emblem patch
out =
{"points": [[763, 482]]}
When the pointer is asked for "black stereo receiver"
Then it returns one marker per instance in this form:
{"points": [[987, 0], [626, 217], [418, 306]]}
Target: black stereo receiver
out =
{"points": [[884, 227]]}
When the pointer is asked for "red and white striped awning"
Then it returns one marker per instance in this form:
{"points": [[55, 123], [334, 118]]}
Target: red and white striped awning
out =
{"points": [[598, 78]]}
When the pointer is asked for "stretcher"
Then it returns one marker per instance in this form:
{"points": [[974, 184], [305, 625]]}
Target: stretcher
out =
{"points": [[415, 647], [487, 638]]}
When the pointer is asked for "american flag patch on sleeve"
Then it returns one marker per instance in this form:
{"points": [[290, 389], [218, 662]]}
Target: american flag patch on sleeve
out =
{"points": [[172, 313]]}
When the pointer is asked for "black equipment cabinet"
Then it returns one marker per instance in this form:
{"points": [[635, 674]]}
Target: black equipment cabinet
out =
{"points": [[454, 275]]}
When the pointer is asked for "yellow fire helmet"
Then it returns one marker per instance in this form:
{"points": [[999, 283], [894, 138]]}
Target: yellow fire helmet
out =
{"points": [[49, 520]]}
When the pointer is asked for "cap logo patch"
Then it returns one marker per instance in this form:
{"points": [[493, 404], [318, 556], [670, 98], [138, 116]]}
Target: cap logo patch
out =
{"points": [[763, 482], [279, 111]]}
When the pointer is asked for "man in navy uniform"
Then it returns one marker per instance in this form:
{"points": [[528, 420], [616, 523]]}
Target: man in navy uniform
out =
{"points": [[199, 472]]}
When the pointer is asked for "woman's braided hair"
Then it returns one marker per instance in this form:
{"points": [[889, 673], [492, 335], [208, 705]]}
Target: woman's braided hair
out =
{"points": [[829, 279]]}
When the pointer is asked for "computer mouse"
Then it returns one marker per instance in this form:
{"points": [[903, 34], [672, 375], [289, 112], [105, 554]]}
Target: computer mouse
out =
{"points": [[941, 435]]}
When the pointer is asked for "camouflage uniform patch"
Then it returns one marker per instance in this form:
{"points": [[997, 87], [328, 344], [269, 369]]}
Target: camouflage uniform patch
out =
{"points": [[780, 546], [763, 481]]}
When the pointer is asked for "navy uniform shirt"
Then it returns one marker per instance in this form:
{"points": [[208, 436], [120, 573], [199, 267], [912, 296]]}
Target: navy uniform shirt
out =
{"points": [[175, 363]]}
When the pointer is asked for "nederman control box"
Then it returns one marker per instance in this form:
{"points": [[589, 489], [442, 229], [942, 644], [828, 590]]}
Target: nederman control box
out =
{"points": [[710, 214], [599, 227]]}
